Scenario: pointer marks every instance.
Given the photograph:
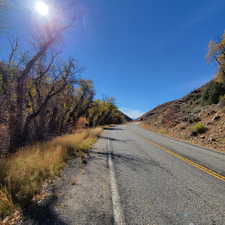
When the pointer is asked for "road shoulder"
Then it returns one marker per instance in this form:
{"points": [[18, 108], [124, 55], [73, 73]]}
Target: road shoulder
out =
{"points": [[81, 196]]}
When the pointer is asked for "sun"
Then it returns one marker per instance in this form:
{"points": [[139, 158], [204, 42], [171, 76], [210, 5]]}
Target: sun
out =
{"points": [[42, 8]]}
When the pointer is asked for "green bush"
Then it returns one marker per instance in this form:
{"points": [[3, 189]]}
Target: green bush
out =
{"points": [[212, 93], [198, 128]]}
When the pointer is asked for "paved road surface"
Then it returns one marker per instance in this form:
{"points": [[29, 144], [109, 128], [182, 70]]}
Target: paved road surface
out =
{"points": [[157, 187], [137, 177]]}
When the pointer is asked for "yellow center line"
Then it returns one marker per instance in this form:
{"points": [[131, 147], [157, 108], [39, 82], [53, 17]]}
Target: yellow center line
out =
{"points": [[188, 161]]}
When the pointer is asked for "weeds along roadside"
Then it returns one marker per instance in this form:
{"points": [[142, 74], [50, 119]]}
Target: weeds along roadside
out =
{"points": [[23, 174]]}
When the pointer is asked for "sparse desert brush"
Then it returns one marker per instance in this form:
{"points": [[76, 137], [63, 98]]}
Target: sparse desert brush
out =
{"points": [[198, 128], [23, 174]]}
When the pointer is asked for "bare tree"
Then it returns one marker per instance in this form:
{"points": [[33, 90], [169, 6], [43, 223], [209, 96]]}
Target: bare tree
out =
{"points": [[17, 73]]}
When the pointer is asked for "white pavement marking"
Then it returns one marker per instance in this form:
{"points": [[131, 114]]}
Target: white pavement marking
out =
{"points": [[117, 209]]}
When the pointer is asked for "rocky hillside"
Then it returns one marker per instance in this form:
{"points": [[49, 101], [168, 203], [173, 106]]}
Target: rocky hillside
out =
{"points": [[191, 120], [125, 117]]}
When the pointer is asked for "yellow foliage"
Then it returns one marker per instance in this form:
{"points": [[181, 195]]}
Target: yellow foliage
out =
{"points": [[23, 174], [220, 77], [6, 205], [198, 128]]}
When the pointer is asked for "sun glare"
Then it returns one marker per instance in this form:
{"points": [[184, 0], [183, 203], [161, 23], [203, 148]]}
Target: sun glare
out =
{"points": [[42, 8]]}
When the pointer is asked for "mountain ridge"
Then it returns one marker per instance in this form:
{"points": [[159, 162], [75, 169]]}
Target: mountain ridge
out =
{"points": [[188, 119]]}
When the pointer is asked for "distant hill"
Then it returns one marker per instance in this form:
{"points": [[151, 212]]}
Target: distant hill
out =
{"points": [[187, 102], [126, 117], [188, 118]]}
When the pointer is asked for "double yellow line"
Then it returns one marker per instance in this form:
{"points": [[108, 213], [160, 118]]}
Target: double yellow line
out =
{"points": [[188, 161]]}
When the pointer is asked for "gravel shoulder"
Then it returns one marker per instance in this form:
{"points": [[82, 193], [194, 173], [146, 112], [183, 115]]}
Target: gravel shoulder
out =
{"points": [[80, 196]]}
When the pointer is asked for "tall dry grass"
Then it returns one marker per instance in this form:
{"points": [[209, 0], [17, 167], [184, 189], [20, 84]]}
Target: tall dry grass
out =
{"points": [[23, 174]]}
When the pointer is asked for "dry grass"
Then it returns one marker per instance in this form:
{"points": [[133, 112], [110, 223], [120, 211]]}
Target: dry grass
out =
{"points": [[6, 205], [23, 174]]}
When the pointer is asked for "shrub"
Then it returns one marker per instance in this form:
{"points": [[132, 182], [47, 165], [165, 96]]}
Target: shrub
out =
{"points": [[198, 128], [212, 93], [23, 174]]}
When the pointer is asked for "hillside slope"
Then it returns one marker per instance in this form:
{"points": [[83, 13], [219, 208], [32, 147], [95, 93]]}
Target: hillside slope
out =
{"points": [[126, 118], [180, 117]]}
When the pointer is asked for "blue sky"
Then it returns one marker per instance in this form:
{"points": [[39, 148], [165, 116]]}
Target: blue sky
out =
{"points": [[143, 53]]}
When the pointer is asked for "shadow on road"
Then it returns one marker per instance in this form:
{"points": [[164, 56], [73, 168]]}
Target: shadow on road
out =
{"points": [[112, 128], [43, 214], [133, 162], [113, 139]]}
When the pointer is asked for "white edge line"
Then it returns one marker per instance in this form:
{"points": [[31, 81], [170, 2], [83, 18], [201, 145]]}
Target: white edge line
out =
{"points": [[117, 209]]}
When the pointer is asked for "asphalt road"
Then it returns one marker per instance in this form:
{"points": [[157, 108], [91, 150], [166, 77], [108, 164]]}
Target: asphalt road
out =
{"points": [[137, 177], [161, 181]]}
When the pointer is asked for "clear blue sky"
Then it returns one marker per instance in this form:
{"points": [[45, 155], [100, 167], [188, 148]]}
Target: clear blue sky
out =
{"points": [[145, 52]]}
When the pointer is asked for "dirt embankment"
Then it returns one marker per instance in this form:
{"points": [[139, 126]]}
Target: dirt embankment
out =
{"points": [[180, 117]]}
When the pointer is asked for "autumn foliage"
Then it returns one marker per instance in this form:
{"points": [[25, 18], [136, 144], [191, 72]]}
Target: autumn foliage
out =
{"points": [[42, 97]]}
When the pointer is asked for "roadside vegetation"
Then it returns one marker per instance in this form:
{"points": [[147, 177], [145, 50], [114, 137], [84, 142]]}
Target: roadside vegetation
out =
{"points": [[213, 93], [43, 95], [216, 88], [41, 98], [23, 174], [198, 128], [44, 103]]}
